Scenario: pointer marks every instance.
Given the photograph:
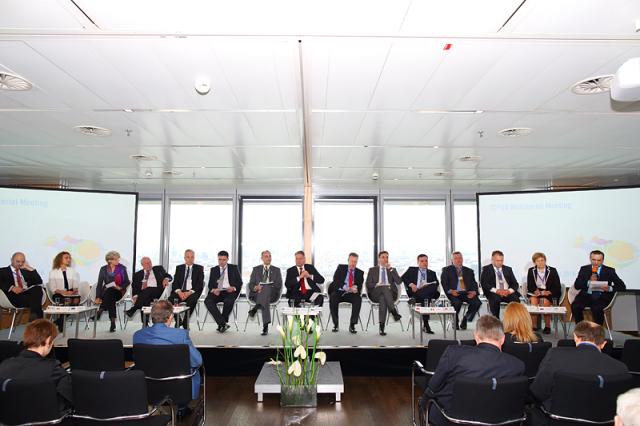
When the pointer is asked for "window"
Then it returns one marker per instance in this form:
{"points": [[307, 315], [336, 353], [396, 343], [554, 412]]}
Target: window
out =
{"points": [[148, 232], [274, 225], [414, 227], [465, 229], [341, 227], [205, 226]]}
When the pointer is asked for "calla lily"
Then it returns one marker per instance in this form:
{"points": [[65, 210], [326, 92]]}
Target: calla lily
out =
{"points": [[300, 353], [296, 339], [295, 369], [318, 332], [274, 362], [322, 357], [281, 331], [290, 320], [309, 325]]}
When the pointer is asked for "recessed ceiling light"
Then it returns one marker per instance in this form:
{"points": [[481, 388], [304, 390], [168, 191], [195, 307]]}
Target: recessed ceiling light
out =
{"points": [[470, 158], [148, 173], [514, 132], [92, 130], [127, 110], [14, 82], [144, 157], [409, 168], [202, 167], [436, 147], [593, 85]]}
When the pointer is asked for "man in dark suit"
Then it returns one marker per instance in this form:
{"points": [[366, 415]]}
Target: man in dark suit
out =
{"points": [[346, 287], [485, 360], [224, 286], [148, 284], [161, 333], [460, 286], [383, 284], [302, 282], [421, 284], [33, 363], [498, 283], [22, 285], [585, 358], [265, 287], [188, 282], [596, 300]]}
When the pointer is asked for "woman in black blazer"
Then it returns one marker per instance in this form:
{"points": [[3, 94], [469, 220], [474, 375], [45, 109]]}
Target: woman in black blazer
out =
{"points": [[112, 284], [543, 285]]}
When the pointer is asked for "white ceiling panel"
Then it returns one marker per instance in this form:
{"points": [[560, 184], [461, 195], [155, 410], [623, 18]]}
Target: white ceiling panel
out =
{"points": [[41, 15]]}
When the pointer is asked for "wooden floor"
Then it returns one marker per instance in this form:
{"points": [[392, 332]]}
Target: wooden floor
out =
{"points": [[366, 401]]}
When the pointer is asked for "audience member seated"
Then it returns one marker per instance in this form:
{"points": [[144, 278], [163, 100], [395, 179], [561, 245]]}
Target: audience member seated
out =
{"points": [[628, 409], [22, 285], [112, 284], [498, 283], [161, 333], [485, 360], [517, 325], [585, 358], [596, 298], [543, 285], [33, 362]]}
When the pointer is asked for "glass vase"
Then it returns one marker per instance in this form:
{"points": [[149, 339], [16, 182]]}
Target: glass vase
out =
{"points": [[298, 396]]}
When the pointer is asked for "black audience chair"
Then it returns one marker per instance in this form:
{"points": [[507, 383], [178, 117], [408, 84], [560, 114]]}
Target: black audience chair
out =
{"points": [[96, 355], [485, 401], [9, 349], [585, 398], [608, 347], [434, 351], [29, 402], [167, 369], [531, 354], [631, 357], [118, 397]]}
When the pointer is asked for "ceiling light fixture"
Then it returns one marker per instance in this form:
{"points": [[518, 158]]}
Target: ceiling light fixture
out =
{"points": [[14, 82], [144, 157], [514, 132], [454, 111], [92, 130], [470, 158], [593, 85]]}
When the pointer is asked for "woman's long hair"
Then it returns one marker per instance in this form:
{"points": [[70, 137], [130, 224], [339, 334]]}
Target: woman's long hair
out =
{"points": [[517, 321], [57, 261]]}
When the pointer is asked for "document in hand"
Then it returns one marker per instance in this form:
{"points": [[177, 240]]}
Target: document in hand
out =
{"points": [[597, 285]]}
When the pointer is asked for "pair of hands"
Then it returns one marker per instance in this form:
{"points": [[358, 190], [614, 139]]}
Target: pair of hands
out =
{"points": [[470, 294], [66, 292], [542, 293], [503, 293], [217, 291]]}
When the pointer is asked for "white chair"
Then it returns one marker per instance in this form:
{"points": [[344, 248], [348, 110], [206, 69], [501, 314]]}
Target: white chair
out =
{"points": [[605, 311], [221, 305], [273, 306], [373, 305], [340, 305], [7, 306]]}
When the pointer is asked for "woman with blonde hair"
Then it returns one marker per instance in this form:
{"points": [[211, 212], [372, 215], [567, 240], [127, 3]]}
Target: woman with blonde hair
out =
{"points": [[517, 324], [543, 285], [112, 284]]}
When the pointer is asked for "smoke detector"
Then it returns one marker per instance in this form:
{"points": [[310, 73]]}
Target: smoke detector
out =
{"points": [[92, 130], [13, 82], [470, 158], [143, 157], [514, 132], [593, 85]]}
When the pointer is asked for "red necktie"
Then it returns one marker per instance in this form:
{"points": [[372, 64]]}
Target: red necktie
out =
{"points": [[19, 278], [303, 288], [350, 278]]}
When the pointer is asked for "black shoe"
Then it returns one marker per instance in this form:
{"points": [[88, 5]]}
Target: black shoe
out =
{"points": [[253, 311], [463, 324], [59, 323], [457, 325], [396, 316], [99, 314], [352, 329], [427, 329], [183, 412], [265, 330], [223, 328], [335, 329], [546, 330], [382, 332], [112, 329], [130, 313]]}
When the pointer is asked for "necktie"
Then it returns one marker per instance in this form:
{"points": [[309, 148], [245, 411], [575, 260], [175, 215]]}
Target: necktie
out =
{"points": [[461, 283], [222, 276], [350, 278], [265, 275], [500, 279], [186, 278], [423, 277], [383, 279], [303, 288], [19, 279], [145, 280], [66, 280]]}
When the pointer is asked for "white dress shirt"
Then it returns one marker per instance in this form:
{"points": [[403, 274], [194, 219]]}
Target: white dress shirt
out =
{"points": [[151, 280], [501, 285], [223, 281]]}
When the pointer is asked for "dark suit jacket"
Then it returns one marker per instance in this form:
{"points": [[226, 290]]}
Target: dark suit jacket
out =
{"points": [[29, 365], [197, 278], [482, 361], [341, 274], [158, 272], [104, 279], [552, 283], [410, 276], [292, 283], [606, 274], [373, 276], [233, 274], [585, 359], [6, 278], [449, 279], [488, 278]]}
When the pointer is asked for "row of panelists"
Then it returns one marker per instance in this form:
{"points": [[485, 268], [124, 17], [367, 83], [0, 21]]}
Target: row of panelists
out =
{"points": [[596, 283]]}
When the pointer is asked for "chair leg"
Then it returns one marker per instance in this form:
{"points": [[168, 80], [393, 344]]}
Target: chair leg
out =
{"points": [[360, 321], [606, 321], [369, 317], [13, 321], [235, 315], [201, 327]]}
